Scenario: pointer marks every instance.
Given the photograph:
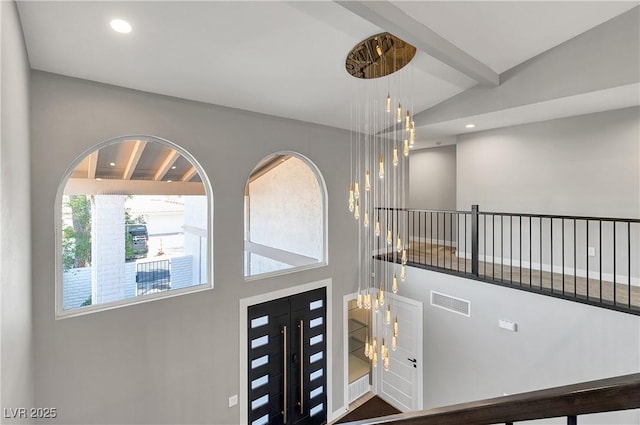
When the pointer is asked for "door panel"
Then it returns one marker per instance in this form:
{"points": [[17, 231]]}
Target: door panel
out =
{"points": [[400, 386], [291, 389]]}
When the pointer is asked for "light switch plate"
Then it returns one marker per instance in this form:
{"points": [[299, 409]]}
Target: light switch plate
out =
{"points": [[233, 400]]}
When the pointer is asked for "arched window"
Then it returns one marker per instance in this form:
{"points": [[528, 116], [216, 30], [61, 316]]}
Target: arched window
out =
{"points": [[285, 216], [135, 224]]}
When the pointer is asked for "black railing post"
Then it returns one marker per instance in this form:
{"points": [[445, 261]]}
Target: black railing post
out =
{"points": [[474, 240], [572, 420]]}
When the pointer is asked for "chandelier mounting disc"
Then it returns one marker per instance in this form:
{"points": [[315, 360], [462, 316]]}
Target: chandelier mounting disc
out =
{"points": [[378, 56]]}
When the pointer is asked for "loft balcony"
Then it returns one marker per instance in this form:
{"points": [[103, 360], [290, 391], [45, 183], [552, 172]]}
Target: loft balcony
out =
{"points": [[592, 260]]}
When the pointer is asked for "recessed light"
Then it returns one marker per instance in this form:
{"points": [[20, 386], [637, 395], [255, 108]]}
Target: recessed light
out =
{"points": [[470, 126], [113, 164], [121, 26], [169, 181], [99, 179], [173, 168]]}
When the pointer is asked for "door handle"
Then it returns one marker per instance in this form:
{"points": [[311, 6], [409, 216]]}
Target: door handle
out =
{"points": [[412, 360], [301, 325], [284, 362]]}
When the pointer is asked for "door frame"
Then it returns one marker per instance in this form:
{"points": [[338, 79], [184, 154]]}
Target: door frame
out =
{"points": [[243, 388]]}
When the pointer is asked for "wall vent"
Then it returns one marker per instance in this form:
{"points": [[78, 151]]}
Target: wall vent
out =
{"points": [[453, 304]]}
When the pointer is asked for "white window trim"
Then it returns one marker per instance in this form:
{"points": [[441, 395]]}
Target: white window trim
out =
{"points": [[60, 312]]}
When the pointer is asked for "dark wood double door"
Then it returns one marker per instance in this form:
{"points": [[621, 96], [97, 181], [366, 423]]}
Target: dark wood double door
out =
{"points": [[288, 360]]}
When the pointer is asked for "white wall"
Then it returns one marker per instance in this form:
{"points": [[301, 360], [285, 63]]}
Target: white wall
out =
{"points": [[587, 165], [16, 326], [432, 186], [583, 165], [557, 343], [174, 360], [432, 176]]}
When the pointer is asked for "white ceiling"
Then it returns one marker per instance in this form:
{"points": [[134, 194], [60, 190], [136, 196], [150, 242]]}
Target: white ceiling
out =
{"points": [[284, 58], [503, 34]]}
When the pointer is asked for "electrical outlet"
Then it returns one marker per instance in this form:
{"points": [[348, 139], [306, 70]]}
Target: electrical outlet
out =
{"points": [[508, 325], [592, 251]]}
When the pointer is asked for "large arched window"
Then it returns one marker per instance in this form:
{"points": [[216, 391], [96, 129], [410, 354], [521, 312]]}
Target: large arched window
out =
{"points": [[135, 224], [285, 216]]}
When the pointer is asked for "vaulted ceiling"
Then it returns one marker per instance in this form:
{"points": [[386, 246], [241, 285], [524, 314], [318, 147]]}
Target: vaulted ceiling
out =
{"points": [[287, 58]]}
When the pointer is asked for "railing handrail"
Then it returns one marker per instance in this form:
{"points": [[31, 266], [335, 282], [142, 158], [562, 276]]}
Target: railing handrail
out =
{"points": [[423, 210], [599, 396], [514, 214]]}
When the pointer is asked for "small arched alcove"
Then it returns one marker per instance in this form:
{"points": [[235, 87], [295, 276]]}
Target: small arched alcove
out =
{"points": [[285, 216]]}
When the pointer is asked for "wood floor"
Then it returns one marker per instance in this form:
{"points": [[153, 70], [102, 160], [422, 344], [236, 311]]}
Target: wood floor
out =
{"points": [[595, 290]]}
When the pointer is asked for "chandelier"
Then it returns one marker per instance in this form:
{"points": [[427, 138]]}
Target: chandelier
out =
{"points": [[382, 132]]}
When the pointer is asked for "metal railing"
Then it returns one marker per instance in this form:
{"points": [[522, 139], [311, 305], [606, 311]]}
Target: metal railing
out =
{"points": [[594, 260], [153, 276], [570, 401]]}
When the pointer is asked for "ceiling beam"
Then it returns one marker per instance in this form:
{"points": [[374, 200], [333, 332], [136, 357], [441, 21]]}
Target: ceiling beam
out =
{"points": [[76, 186], [134, 158], [189, 174], [392, 19], [93, 165], [267, 166], [166, 165]]}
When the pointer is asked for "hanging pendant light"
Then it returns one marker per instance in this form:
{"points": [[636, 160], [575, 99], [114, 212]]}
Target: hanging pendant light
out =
{"points": [[351, 199], [366, 346], [381, 138]]}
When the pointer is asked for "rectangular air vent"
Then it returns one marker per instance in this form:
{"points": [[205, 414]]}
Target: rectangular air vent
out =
{"points": [[453, 304]]}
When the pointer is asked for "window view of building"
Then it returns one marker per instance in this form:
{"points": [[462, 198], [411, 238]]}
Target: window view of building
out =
{"points": [[134, 223]]}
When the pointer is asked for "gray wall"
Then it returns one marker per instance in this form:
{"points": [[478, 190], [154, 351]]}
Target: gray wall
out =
{"points": [[557, 343], [173, 360], [583, 165], [16, 327], [432, 176]]}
